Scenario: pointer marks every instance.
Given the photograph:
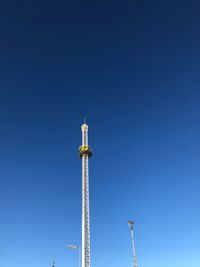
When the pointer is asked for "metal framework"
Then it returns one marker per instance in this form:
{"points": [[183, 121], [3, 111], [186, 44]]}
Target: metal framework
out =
{"points": [[131, 224], [84, 153]]}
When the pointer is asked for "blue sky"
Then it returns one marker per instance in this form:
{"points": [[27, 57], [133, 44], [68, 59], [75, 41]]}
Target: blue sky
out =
{"points": [[132, 69]]}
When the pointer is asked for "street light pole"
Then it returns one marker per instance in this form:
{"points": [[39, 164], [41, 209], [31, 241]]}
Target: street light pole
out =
{"points": [[79, 251]]}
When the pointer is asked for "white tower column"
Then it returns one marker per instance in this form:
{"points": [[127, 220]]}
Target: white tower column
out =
{"points": [[131, 224], [85, 152]]}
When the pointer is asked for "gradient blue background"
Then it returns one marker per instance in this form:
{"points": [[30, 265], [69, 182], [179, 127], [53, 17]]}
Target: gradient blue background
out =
{"points": [[133, 69]]}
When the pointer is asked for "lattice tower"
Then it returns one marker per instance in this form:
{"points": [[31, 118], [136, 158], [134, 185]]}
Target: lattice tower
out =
{"points": [[131, 224], [85, 153]]}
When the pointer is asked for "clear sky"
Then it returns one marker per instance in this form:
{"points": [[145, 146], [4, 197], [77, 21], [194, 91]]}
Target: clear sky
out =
{"points": [[132, 68]]}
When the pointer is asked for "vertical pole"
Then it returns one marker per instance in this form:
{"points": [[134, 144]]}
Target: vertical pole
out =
{"points": [[85, 152], [131, 223]]}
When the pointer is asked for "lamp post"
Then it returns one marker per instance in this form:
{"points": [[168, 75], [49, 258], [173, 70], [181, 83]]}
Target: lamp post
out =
{"points": [[79, 251]]}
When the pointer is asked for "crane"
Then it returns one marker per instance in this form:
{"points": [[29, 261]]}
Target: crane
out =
{"points": [[131, 224]]}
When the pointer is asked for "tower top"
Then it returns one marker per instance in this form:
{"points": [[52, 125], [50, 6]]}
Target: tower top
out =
{"points": [[84, 125], [85, 149], [53, 263]]}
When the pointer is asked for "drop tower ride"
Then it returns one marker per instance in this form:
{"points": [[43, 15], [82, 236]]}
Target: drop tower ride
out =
{"points": [[85, 152]]}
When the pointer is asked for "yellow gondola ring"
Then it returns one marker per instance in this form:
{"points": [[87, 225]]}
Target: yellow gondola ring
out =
{"points": [[85, 150]]}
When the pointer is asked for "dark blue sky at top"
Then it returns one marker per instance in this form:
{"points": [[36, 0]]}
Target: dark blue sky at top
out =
{"points": [[132, 68]]}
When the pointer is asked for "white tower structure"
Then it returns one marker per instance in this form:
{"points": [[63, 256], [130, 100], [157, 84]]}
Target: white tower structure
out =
{"points": [[131, 224], [85, 153]]}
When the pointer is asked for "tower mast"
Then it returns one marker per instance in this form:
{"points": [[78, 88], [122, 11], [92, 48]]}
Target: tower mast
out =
{"points": [[131, 224], [85, 153]]}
